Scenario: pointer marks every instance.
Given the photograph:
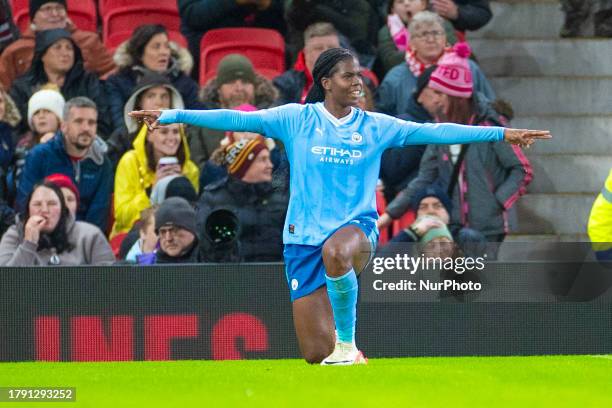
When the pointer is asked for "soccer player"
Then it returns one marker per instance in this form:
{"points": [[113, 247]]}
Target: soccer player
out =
{"points": [[334, 151]]}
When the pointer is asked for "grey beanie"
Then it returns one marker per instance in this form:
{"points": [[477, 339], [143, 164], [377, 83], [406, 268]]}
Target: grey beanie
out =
{"points": [[178, 212]]}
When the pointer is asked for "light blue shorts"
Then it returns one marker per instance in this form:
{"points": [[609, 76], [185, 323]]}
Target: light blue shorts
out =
{"points": [[304, 268]]}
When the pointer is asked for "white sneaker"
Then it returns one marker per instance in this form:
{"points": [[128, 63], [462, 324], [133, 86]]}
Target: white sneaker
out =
{"points": [[345, 354]]}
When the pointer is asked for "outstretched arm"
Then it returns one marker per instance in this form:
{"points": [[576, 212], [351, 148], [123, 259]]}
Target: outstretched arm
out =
{"points": [[410, 133], [218, 119]]}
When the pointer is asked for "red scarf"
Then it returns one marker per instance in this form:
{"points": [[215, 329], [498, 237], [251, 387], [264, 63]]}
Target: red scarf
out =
{"points": [[300, 65], [415, 65]]}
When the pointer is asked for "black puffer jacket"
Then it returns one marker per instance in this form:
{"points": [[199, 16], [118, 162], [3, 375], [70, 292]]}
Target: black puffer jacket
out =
{"points": [[78, 82], [260, 209]]}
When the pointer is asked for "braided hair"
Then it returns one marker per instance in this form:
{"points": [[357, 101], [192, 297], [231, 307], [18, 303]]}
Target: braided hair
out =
{"points": [[325, 67]]}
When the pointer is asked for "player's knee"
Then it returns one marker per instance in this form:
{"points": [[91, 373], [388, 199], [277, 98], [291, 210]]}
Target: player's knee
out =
{"points": [[337, 256], [315, 356]]}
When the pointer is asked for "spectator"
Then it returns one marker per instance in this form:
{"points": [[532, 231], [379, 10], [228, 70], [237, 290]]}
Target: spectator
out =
{"points": [[294, 84], [587, 18], [146, 245], [149, 50], [140, 169], [236, 84], [214, 169], [57, 60], [69, 191], [484, 180], [9, 118], [354, 19], [48, 235], [45, 109], [433, 207], [8, 30], [258, 204], [76, 152], [176, 228], [394, 37], [199, 16], [153, 92], [600, 222], [464, 14], [47, 15], [427, 46]]}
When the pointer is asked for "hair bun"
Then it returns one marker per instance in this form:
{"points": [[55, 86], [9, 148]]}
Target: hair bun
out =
{"points": [[462, 49]]}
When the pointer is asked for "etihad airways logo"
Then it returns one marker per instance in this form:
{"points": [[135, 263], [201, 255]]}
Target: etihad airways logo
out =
{"points": [[336, 155]]}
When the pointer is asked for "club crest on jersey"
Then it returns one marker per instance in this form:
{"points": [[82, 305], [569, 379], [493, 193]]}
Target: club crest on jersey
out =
{"points": [[356, 137]]}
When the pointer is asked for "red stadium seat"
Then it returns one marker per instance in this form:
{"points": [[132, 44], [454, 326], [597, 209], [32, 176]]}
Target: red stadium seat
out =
{"points": [[104, 6], [264, 47], [116, 242], [119, 23], [82, 13]]}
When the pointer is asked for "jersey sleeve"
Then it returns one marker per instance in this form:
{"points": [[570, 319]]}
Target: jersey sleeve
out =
{"points": [[398, 132], [278, 123]]}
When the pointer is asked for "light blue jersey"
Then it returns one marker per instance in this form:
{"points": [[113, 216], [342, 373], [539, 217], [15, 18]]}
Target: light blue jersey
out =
{"points": [[334, 163]]}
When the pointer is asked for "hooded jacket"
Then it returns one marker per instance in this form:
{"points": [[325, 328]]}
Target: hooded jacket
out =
{"points": [[90, 248], [93, 176], [134, 181], [204, 141], [17, 57], [120, 86], [494, 176], [78, 82], [260, 209], [600, 222]]}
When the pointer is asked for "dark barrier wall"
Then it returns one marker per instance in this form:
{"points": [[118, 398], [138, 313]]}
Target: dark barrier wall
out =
{"points": [[243, 311]]}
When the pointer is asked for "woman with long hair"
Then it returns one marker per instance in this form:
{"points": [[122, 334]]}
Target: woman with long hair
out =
{"points": [[47, 234], [334, 152]]}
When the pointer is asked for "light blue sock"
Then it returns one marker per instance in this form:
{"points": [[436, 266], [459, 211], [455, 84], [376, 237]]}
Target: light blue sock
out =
{"points": [[343, 292]]}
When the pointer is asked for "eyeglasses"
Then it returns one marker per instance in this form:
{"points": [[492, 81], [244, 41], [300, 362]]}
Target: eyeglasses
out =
{"points": [[433, 34]]}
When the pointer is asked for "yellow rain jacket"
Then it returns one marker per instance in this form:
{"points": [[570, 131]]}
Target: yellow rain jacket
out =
{"points": [[134, 181], [600, 221]]}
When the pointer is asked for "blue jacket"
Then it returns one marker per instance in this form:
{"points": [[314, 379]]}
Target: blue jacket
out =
{"points": [[92, 175], [394, 96]]}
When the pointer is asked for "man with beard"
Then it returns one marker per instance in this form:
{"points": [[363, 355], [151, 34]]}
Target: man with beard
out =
{"points": [[236, 84], [76, 152]]}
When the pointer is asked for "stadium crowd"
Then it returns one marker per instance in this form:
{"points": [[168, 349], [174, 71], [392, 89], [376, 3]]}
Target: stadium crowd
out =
{"points": [[84, 183]]}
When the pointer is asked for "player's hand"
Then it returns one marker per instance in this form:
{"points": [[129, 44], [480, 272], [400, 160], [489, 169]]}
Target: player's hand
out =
{"points": [[446, 8], [524, 137], [149, 117]]}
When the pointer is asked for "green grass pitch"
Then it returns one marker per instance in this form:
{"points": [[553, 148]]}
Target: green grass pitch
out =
{"points": [[551, 381]]}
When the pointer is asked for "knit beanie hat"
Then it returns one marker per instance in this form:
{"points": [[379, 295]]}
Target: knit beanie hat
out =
{"points": [[46, 38], [36, 4], [46, 99], [62, 180], [437, 232], [432, 191], [241, 154], [173, 186], [233, 67], [453, 75], [178, 212]]}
